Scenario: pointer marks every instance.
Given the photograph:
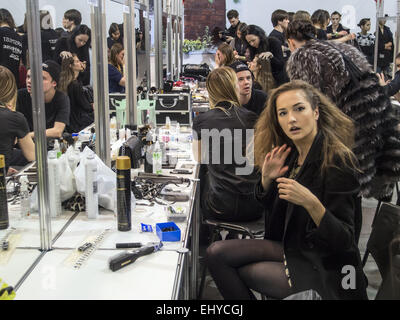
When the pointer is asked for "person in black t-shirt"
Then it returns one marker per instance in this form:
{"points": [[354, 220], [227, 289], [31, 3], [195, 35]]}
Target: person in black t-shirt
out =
{"points": [[11, 48], [13, 125], [57, 107], [233, 17], [250, 98], [221, 137], [280, 22]]}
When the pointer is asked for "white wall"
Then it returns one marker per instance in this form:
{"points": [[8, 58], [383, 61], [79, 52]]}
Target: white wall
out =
{"points": [[259, 11], [57, 8]]}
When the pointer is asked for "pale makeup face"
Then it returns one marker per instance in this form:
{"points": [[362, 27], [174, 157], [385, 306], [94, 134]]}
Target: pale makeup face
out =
{"points": [[253, 40], [296, 117], [335, 20], [81, 40], [77, 66]]}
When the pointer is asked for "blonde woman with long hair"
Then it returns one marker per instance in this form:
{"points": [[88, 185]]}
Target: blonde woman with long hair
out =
{"points": [[13, 125], [221, 136], [309, 189]]}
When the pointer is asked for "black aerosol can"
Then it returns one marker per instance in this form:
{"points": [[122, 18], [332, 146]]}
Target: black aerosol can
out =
{"points": [[124, 193], [4, 223]]}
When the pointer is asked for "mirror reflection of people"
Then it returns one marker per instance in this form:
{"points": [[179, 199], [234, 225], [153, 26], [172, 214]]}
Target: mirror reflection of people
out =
{"points": [[82, 113], [57, 106], [71, 19], [79, 43], [11, 44], [114, 35], [116, 78], [309, 191], [14, 128]]}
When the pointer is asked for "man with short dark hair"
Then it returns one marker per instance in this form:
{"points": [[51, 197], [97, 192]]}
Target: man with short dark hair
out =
{"points": [[71, 19], [280, 22], [57, 106], [233, 17], [250, 98]]}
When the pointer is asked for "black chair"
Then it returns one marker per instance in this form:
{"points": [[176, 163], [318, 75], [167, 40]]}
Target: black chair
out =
{"points": [[252, 230], [384, 246], [378, 208]]}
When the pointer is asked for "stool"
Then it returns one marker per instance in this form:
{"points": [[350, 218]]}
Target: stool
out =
{"points": [[252, 229]]}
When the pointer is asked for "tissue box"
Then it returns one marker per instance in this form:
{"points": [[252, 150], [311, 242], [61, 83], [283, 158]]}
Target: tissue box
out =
{"points": [[173, 235]]}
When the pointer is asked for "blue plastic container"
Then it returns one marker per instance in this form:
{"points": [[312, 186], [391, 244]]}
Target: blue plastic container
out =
{"points": [[174, 235]]}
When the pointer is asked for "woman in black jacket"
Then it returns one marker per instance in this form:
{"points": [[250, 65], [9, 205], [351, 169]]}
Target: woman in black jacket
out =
{"points": [[79, 43], [309, 188], [266, 48]]}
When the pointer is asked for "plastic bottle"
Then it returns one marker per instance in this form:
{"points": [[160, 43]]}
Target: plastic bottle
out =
{"points": [[4, 220], [157, 159], [167, 123], [54, 184], [25, 198], [91, 193], [57, 148]]}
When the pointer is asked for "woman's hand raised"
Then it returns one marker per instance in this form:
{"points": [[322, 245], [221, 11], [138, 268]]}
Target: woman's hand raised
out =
{"points": [[273, 166]]}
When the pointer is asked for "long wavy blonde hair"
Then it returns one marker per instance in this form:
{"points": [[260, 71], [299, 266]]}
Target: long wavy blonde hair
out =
{"points": [[337, 129], [221, 86]]}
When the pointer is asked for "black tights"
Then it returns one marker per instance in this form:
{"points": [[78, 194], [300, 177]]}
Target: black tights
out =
{"points": [[240, 265]]}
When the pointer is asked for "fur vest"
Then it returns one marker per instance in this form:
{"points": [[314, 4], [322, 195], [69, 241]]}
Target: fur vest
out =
{"points": [[377, 138]]}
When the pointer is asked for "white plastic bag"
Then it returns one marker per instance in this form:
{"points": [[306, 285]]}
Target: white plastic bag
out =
{"points": [[67, 183], [106, 181]]}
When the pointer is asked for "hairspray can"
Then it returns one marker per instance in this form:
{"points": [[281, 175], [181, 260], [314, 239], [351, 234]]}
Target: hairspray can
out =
{"points": [[91, 193], [124, 193], [4, 223]]}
